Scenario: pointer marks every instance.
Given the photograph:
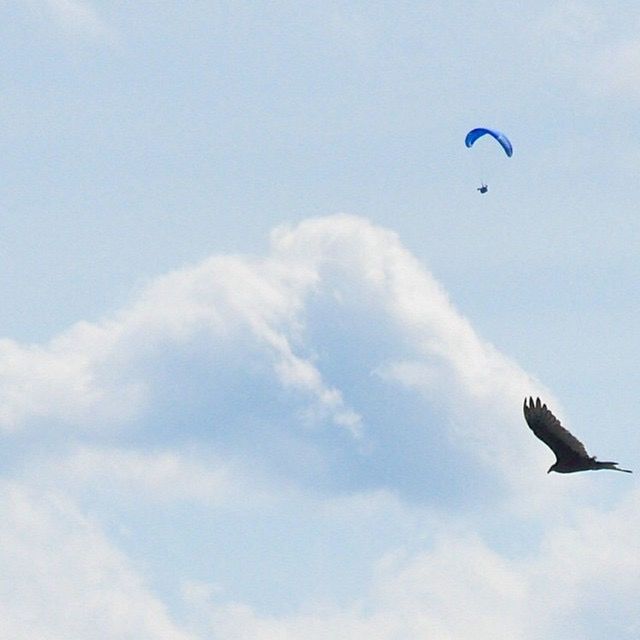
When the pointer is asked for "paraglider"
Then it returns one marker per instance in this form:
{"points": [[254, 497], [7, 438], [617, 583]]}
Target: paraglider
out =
{"points": [[504, 142], [500, 137]]}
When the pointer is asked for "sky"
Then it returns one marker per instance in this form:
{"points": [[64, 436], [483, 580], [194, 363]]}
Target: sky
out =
{"points": [[264, 346]]}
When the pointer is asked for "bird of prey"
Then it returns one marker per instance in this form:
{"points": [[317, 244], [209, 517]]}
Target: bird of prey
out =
{"points": [[571, 456]]}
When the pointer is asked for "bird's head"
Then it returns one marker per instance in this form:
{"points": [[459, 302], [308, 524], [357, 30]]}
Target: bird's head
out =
{"points": [[552, 467]]}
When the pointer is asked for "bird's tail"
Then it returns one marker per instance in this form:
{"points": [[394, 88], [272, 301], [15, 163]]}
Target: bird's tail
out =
{"points": [[613, 466]]}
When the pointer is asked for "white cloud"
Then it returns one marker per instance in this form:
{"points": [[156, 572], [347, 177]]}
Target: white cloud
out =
{"points": [[461, 588], [448, 583], [95, 375], [62, 580], [85, 374], [593, 557], [596, 50], [65, 379], [573, 21], [150, 476], [616, 69], [480, 388], [79, 16]]}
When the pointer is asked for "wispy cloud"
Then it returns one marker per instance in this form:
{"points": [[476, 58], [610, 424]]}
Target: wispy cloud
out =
{"points": [[79, 17], [592, 49]]}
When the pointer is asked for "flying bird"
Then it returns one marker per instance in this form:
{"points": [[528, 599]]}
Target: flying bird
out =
{"points": [[571, 456]]}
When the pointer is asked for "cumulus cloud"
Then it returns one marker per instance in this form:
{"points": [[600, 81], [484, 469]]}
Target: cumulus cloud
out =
{"points": [[92, 371], [254, 315]]}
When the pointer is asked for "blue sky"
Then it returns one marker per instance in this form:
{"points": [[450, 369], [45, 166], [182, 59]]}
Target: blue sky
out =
{"points": [[264, 346]]}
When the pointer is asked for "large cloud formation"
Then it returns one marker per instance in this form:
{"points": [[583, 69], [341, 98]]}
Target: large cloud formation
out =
{"points": [[324, 401]]}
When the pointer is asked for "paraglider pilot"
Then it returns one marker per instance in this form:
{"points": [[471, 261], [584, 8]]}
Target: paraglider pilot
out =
{"points": [[483, 188]]}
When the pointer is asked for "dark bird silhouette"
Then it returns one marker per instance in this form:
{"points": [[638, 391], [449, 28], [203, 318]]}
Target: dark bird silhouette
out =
{"points": [[571, 456]]}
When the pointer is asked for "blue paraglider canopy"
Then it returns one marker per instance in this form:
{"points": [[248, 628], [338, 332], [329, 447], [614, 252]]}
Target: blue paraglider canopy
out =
{"points": [[474, 134]]}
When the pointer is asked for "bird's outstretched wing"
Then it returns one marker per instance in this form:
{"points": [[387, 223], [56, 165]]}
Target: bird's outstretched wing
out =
{"points": [[548, 428]]}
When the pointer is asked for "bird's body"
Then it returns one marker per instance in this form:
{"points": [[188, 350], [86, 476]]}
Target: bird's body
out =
{"points": [[590, 464], [571, 455]]}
